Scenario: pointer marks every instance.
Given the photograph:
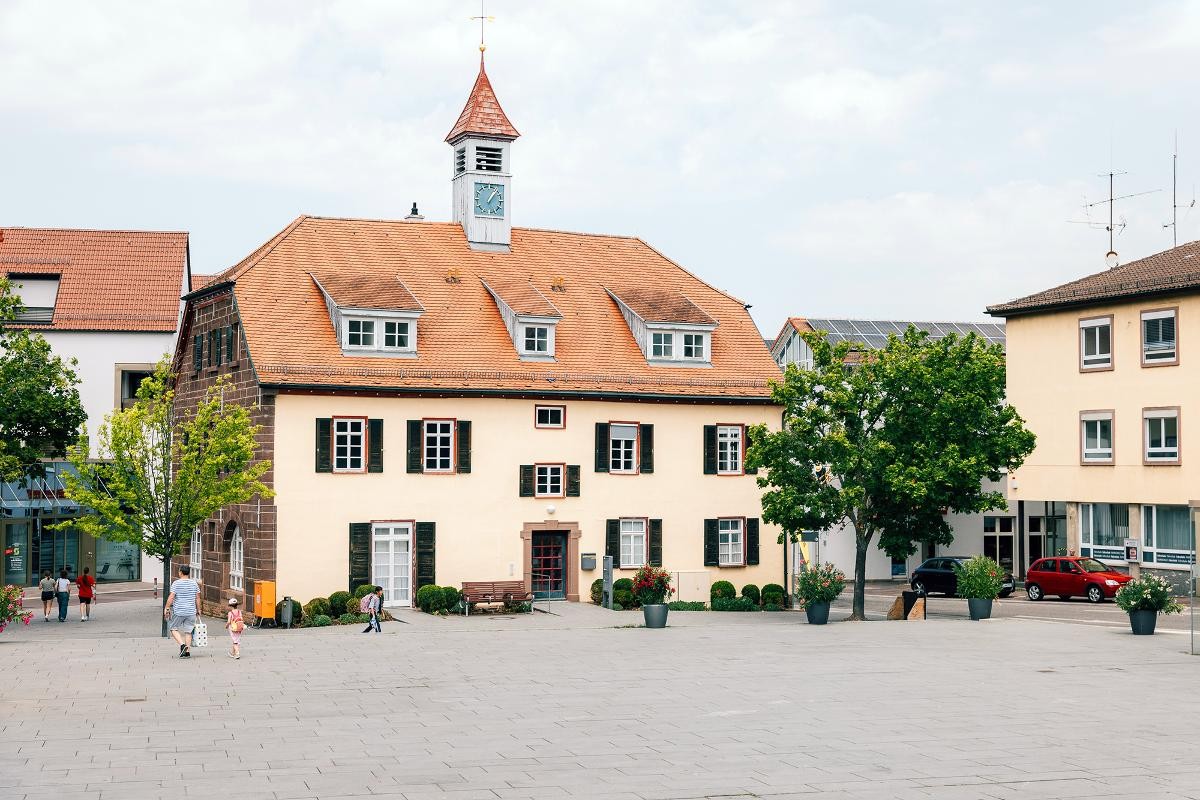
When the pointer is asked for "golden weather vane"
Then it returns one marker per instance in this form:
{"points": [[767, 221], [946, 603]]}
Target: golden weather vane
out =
{"points": [[483, 19]]}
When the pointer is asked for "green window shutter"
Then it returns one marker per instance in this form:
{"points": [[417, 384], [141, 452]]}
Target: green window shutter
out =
{"points": [[752, 541], [710, 449], [647, 447], [612, 541], [415, 463], [712, 551], [360, 554], [525, 489], [374, 445], [229, 343], [601, 447], [463, 438], [656, 542], [198, 352], [426, 549], [214, 342], [324, 442], [572, 480]]}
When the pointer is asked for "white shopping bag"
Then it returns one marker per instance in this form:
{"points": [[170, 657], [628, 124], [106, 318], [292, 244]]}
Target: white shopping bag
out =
{"points": [[200, 635]]}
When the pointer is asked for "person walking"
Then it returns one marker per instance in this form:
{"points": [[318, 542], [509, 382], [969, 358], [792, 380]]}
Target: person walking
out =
{"points": [[374, 606], [235, 625], [181, 610], [46, 585], [62, 590], [87, 593]]}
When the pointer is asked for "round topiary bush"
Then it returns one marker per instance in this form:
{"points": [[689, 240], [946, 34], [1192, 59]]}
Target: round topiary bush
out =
{"points": [[623, 585], [624, 598], [450, 597], [751, 593], [337, 603], [318, 606], [320, 621], [722, 590], [297, 612], [597, 590], [773, 593], [364, 590], [431, 599], [352, 605]]}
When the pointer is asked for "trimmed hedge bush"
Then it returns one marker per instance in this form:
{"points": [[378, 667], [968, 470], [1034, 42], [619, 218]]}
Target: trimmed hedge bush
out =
{"points": [[722, 590], [337, 603], [350, 619], [733, 604], [297, 612], [319, 621], [364, 590], [774, 594], [772, 607], [686, 605], [623, 593], [751, 593], [597, 590], [318, 606], [450, 597], [430, 599]]}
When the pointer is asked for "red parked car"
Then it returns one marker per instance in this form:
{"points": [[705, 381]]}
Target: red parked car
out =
{"points": [[1073, 577]]}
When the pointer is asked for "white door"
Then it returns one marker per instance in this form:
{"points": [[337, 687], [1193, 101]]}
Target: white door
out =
{"points": [[391, 562]]}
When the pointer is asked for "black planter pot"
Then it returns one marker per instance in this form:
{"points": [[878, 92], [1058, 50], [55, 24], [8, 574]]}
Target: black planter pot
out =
{"points": [[980, 607], [818, 613], [655, 615], [1142, 622]]}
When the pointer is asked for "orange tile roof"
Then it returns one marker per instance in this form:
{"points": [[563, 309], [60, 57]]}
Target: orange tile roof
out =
{"points": [[367, 291], [482, 114], [462, 343], [200, 281], [108, 280], [662, 305], [521, 296]]}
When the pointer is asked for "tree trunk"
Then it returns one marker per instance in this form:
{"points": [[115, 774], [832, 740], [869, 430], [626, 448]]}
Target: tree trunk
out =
{"points": [[166, 590], [859, 609]]}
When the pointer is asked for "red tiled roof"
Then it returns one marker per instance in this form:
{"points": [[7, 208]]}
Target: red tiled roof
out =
{"points": [[108, 280], [662, 305], [367, 291], [200, 281], [482, 114], [1174, 270], [462, 342], [521, 296]]}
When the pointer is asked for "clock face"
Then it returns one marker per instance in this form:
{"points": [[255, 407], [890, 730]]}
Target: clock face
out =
{"points": [[489, 200]]}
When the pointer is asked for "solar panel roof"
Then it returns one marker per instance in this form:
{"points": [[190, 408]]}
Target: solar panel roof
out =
{"points": [[873, 333]]}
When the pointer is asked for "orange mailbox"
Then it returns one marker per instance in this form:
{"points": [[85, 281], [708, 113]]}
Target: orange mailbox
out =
{"points": [[264, 599]]}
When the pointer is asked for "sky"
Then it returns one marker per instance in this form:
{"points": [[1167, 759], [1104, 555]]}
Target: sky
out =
{"points": [[915, 160]]}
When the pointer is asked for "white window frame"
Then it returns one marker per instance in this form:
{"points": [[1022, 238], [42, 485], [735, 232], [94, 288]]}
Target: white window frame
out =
{"points": [[547, 340], [398, 324], [731, 542], [662, 344], [562, 417], [344, 427], [237, 560], [361, 322], [195, 555], [730, 437], [623, 460], [1095, 455], [633, 528], [549, 476], [1161, 454], [395, 531], [433, 429], [1157, 356], [1090, 328], [703, 345]]}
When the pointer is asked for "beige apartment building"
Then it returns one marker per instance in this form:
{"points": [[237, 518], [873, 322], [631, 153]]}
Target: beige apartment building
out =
{"points": [[1103, 370], [470, 401]]}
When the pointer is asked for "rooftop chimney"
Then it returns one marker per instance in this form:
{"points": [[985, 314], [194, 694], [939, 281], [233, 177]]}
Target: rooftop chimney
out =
{"points": [[414, 215]]}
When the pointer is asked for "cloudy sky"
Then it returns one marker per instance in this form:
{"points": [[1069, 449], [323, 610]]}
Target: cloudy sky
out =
{"points": [[913, 160]]}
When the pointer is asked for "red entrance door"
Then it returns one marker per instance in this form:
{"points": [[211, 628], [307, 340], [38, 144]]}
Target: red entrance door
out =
{"points": [[549, 568]]}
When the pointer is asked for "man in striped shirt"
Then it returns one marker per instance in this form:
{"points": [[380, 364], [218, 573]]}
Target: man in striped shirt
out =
{"points": [[181, 609]]}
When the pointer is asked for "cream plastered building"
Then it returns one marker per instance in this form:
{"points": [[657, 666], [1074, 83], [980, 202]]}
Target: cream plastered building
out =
{"points": [[445, 402], [1101, 370]]}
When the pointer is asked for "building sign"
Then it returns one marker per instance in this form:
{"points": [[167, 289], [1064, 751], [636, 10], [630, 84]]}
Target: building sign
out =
{"points": [[14, 560], [1108, 553], [1173, 558], [1131, 550]]}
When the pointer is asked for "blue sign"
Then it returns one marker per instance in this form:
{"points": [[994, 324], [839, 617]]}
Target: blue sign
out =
{"points": [[1174, 558], [1108, 553]]}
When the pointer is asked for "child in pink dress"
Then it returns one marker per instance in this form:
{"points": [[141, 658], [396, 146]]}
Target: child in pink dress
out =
{"points": [[235, 625]]}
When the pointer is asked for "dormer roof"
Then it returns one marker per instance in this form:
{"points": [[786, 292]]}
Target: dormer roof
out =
{"points": [[521, 296], [662, 305], [482, 115], [367, 291]]}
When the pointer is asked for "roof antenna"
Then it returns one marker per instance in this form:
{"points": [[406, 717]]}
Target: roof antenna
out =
{"points": [[1114, 226], [1174, 223]]}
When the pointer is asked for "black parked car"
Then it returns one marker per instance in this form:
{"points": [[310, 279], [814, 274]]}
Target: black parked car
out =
{"points": [[936, 575]]}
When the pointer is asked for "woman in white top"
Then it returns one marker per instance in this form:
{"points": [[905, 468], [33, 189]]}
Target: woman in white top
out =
{"points": [[62, 589]]}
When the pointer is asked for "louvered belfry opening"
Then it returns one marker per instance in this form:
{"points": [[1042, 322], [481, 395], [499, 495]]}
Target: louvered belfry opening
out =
{"points": [[489, 159]]}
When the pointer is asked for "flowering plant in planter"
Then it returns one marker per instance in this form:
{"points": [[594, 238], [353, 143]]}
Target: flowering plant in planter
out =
{"points": [[10, 607], [980, 578], [1148, 593], [821, 583], [652, 585]]}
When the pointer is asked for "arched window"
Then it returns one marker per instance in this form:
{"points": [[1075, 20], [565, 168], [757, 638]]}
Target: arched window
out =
{"points": [[194, 555], [235, 560]]}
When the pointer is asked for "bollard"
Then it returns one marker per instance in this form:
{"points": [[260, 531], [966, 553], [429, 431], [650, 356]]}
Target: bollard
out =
{"points": [[285, 613]]}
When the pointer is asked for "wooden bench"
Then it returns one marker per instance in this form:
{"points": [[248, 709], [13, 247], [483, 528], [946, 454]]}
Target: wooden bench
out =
{"points": [[506, 592]]}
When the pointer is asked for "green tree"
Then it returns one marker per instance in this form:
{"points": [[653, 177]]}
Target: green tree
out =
{"points": [[162, 471], [884, 441], [40, 410]]}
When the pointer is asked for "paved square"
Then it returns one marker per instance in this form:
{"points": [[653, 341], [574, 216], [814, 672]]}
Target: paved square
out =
{"points": [[718, 705]]}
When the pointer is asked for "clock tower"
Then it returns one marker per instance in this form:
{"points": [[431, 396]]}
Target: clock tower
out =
{"points": [[481, 142]]}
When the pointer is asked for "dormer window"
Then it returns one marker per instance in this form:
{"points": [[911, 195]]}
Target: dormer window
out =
{"points": [[489, 159], [662, 344], [395, 335], [372, 316], [671, 330], [537, 340], [695, 347], [530, 318], [360, 333]]}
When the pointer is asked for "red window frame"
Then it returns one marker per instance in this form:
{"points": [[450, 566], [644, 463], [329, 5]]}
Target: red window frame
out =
{"points": [[645, 538], [366, 446], [743, 532], [561, 408], [453, 446], [741, 470], [562, 482], [637, 450]]}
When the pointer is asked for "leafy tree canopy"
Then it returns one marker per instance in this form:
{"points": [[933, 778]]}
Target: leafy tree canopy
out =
{"points": [[886, 440]]}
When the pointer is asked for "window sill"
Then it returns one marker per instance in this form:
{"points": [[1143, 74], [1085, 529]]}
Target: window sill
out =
{"points": [[1174, 362]]}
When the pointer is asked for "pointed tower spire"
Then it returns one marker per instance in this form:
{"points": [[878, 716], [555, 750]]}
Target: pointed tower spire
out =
{"points": [[482, 115]]}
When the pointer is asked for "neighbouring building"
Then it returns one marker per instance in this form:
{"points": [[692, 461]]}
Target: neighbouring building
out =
{"points": [[1099, 368], [109, 300], [1013, 536], [468, 400]]}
